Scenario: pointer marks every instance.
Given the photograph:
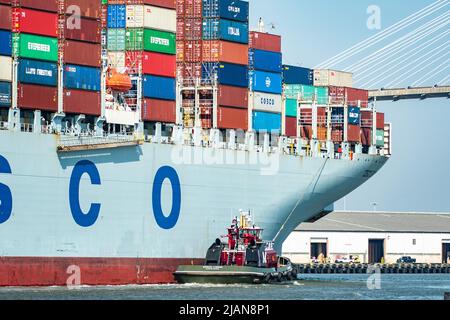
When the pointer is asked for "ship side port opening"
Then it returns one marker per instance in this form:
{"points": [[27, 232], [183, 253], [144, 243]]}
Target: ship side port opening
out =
{"points": [[319, 248], [446, 251]]}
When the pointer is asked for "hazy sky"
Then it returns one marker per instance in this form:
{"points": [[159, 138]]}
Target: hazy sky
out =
{"points": [[417, 177]]}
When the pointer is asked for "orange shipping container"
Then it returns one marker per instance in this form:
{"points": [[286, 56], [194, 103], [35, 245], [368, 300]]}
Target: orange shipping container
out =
{"points": [[224, 51]]}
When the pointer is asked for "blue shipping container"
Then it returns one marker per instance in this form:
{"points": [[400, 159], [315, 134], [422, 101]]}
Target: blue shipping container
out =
{"points": [[265, 60], [265, 121], [5, 94], [117, 16], [159, 87], [5, 43], [38, 72], [227, 30], [231, 74], [354, 115], [83, 78], [268, 82], [226, 9], [298, 75]]}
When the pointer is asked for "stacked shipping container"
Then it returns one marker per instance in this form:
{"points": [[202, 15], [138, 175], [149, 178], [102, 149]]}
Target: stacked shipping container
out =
{"points": [[265, 82], [5, 55], [81, 53]]}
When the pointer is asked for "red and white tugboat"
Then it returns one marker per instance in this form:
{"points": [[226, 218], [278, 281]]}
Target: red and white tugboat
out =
{"points": [[243, 258]]}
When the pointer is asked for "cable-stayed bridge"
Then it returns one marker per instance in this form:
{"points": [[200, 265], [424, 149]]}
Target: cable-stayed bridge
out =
{"points": [[408, 60]]}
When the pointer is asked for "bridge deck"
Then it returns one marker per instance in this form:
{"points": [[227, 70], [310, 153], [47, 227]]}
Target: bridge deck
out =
{"points": [[410, 93]]}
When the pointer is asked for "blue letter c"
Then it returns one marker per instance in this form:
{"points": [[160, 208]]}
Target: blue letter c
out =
{"points": [[82, 219], [5, 193]]}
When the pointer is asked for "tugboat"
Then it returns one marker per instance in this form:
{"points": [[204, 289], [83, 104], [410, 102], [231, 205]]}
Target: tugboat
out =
{"points": [[244, 259]]}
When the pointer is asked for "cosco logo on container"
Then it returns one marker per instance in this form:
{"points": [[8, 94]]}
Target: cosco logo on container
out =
{"points": [[234, 31], [160, 41], [268, 82], [268, 101], [87, 218], [353, 115]]}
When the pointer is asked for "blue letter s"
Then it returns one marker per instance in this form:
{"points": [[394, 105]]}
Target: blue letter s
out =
{"points": [[5, 193], [163, 174], [82, 167]]}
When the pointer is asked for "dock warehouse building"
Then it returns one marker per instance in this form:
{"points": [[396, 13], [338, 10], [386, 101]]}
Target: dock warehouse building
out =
{"points": [[372, 236]]}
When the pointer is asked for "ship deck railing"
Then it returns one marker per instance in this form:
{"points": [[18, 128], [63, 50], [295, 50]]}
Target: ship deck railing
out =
{"points": [[67, 143]]}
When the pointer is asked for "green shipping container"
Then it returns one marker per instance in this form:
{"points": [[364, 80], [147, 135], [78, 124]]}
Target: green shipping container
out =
{"points": [[307, 93], [134, 39], [115, 39], [380, 138], [38, 47], [159, 41], [291, 107]]}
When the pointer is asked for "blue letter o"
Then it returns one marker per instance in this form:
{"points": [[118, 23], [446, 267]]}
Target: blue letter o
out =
{"points": [[82, 219], [170, 221]]}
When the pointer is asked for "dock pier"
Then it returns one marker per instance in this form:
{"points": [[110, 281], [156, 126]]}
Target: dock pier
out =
{"points": [[353, 268]]}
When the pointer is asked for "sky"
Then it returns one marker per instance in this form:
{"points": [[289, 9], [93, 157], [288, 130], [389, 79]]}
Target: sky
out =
{"points": [[417, 177]]}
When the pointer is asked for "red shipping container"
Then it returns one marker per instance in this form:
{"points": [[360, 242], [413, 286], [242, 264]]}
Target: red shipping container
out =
{"points": [[232, 118], [88, 8], [224, 51], [189, 8], [336, 94], [192, 52], [7, 2], [190, 70], [180, 30], [291, 127], [159, 64], [306, 115], [35, 97], [5, 17], [132, 61], [353, 133], [90, 30], [36, 22], [265, 41], [192, 29], [46, 5], [82, 53], [159, 110], [82, 102], [337, 135], [380, 120], [366, 136], [366, 119], [229, 96], [354, 95], [169, 4]]}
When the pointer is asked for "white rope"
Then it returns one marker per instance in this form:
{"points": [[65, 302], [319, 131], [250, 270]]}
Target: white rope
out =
{"points": [[409, 54], [405, 77], [442, 19], [413, 63], [444, 81], [384, 34], [431, 74]]}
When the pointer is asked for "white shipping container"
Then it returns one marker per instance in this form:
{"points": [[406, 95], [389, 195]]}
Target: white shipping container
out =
{"points": [[135, 16], [160, 19], [5, 68], [265, 102], [116, 59], [325, 78]]}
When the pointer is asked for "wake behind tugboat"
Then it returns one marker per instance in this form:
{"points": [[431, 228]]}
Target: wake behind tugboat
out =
{"points": [[245, 258]]}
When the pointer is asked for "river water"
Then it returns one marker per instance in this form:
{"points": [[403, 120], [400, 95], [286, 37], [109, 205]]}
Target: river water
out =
{"points": [[307, 287]]}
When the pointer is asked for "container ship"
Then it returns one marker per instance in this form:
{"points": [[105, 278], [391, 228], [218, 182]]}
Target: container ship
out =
{"points": [[132, 131]]}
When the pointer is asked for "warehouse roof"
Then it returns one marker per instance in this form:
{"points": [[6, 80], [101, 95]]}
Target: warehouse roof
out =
{"points": [[381, 222]]}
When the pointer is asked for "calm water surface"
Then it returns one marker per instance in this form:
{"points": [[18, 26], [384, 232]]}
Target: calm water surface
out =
{"points": [[307, 287]]}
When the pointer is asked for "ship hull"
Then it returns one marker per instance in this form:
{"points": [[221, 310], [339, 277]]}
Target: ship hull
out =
{"points": [[130, 240]]}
